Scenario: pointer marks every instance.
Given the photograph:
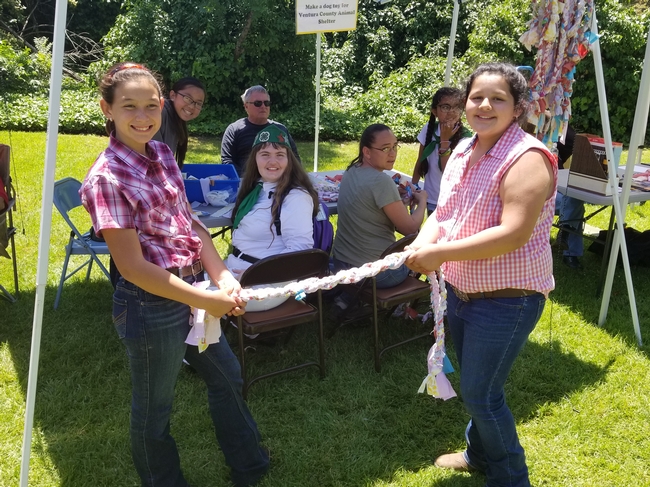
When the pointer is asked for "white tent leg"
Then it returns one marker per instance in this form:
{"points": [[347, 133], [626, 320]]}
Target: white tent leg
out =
{"points": [[619, 203], [317, 114], [46, 226], [452, 42]]}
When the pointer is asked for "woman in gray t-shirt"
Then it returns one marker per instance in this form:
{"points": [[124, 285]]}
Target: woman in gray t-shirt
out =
{"points": [[370, 208]]}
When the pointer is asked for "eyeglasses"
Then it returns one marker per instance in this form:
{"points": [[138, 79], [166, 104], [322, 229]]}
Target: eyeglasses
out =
{"points": [[259, 103], [386, 150], [448, 108], [190, 101]]}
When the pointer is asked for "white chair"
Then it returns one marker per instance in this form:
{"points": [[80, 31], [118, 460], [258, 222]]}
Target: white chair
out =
{"points": [[66, 198]]}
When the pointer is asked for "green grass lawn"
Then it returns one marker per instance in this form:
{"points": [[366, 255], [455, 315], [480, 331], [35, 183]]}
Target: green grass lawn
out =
{"points": [[578, 392]]}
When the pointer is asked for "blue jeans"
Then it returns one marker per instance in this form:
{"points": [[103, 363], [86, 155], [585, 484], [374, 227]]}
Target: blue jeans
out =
{"points": [[488, 334], [385, 279], [572, 213], [154, 330]]}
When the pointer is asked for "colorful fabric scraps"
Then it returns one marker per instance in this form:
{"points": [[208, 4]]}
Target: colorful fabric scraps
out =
{"points": [[436, 383], [561, 32]]}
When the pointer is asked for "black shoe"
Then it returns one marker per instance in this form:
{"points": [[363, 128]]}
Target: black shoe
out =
{"points": [[572, 262]]}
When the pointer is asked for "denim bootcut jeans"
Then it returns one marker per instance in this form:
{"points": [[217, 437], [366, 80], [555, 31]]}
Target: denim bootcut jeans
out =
{"points": [[488, 334], [153, 330]]}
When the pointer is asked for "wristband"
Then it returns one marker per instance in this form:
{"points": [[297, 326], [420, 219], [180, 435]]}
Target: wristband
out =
{"points": [[445, 152]]}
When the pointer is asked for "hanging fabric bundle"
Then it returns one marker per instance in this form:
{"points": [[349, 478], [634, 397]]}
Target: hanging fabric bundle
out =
{"points": [[561, 32]]}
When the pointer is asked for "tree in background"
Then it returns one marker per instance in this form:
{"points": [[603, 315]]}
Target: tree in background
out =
{"points": [[387, 70], [228, 44]]}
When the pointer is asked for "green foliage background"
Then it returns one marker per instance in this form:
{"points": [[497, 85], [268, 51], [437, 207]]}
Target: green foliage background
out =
{"points": [[386, 70]]}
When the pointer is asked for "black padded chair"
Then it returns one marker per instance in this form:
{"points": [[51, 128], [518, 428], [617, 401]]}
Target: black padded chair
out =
{"points": [[387, 300], [292, 266]]}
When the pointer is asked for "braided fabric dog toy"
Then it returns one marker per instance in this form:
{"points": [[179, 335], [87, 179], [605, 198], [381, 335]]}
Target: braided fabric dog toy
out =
{"points": [[436, 383]]}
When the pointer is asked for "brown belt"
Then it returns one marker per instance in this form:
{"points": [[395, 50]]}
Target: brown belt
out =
{"points": [[189, 270], [499, 293]]}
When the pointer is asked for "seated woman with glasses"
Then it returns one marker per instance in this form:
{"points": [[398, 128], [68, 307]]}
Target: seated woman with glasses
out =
{"points": [[370, 208], [438, 139], [186, 99]]}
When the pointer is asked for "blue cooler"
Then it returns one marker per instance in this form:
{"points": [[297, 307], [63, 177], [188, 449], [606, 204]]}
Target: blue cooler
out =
{"points": [[202, 171]]}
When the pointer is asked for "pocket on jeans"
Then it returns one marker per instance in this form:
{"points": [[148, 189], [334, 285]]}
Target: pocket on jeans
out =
{"points": [[119, 316]]}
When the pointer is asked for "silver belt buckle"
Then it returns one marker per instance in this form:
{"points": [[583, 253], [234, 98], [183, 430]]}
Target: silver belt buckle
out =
{"points": [[461, 295], [196, 267]]}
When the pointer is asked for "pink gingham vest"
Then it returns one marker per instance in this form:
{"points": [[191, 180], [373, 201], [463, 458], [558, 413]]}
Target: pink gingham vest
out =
{"points": [[469, 202]]}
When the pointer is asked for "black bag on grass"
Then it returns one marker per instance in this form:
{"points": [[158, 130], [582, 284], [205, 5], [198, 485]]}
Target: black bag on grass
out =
{"points": [[638, 245]]}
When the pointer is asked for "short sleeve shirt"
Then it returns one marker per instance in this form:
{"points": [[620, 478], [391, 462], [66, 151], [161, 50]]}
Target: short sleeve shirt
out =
{"points": [[470, 202], [127, 190], [363, 230]]}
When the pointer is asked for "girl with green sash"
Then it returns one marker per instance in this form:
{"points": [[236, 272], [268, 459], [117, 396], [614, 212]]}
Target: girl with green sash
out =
{"points": [[273, 176]]}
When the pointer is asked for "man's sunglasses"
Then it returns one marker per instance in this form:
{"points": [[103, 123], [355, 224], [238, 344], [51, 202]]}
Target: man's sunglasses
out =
{"points": [[259, 103]]}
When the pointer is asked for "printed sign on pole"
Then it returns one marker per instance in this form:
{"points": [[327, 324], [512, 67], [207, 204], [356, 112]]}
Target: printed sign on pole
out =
{"points": [[314, 16]]}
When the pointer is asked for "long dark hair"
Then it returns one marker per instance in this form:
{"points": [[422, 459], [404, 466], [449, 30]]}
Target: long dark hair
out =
{"points": [[367, 139], [294, 176], [516, 82], [121, 73], [180, 125], [445, 91]]}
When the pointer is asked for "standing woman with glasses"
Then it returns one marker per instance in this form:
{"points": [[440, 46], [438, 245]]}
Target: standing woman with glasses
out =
{"points": [[438, 139], [186, 99], [370, 208]]}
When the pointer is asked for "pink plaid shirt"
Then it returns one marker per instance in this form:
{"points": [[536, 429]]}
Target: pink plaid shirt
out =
{"points": [[124, 189], [469, 202]]}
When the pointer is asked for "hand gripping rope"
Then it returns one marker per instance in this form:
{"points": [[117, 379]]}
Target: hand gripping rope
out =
{"points": [[435, 383]]}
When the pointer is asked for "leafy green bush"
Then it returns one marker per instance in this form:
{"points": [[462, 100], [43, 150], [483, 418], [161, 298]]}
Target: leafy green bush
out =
{"points": [[623, 42], [229, 45], [79, 113], [24, 71], [385, 71]]}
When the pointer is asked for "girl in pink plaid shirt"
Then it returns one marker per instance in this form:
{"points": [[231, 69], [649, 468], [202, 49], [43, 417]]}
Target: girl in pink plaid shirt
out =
{"points": [[135, 195], [490, 234]]}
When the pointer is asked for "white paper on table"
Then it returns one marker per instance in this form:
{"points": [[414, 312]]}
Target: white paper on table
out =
{"points": [[225, 211]]}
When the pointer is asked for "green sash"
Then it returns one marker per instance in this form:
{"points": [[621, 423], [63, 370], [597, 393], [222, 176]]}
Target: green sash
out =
{"points": [[247, 204], [435, 140]]}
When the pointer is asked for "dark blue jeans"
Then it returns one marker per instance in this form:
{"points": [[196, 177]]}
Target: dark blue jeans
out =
{"points": [[488, 334], [154, 330], [572, 213]]}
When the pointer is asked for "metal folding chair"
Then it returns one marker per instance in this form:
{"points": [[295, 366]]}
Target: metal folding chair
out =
{"points": [[7, 229], [293, 266], [388, 299], [66, 198]]}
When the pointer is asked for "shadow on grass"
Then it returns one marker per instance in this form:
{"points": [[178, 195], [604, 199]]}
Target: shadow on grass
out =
{"points": [[576, 289], [353, 428]]}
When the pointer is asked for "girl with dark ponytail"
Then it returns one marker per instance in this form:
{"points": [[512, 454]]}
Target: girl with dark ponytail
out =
{"points": [[135, 196], [186, 99], [438, 139]]}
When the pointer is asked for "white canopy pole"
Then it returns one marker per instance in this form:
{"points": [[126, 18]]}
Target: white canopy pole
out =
{"points": [[636, 139], [317, 115], [619, 237], [452, 42], [46, 226]]}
